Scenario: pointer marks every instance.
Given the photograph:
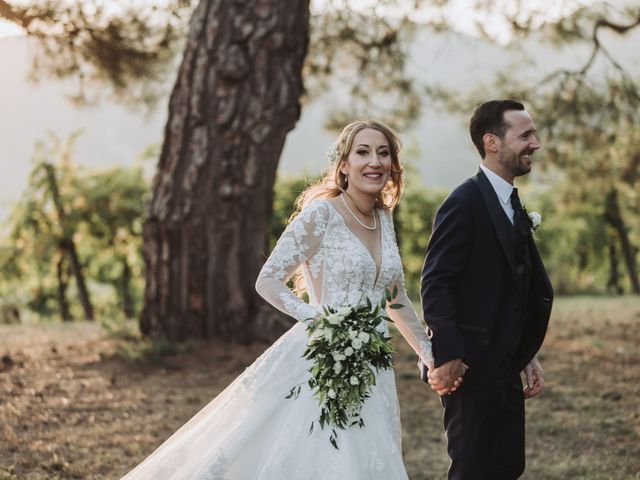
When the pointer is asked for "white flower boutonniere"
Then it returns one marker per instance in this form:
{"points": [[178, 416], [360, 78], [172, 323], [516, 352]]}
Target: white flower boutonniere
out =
{"points": [[535, 219]]}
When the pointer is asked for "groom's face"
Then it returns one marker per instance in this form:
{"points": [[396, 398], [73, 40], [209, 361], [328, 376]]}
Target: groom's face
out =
{"points": [[519, 142]]}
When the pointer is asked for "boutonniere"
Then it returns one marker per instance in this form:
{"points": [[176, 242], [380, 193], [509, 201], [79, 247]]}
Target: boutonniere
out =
{"points": [[535, 219]]}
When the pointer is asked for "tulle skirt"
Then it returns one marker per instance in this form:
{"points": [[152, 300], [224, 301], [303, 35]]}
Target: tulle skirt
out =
{"points": [[251, 432]]}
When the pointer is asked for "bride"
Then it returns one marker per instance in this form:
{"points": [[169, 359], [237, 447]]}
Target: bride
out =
{"points": [[343, 246]]}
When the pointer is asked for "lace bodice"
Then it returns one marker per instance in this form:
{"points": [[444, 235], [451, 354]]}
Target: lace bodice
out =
{"points": [[338, 270]]}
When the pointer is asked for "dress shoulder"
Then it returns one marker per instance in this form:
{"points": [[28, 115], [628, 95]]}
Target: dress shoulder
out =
{"points": [[319, 208]]}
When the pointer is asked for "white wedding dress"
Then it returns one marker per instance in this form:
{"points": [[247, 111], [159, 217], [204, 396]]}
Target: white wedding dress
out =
{"points": [[250, 431]]}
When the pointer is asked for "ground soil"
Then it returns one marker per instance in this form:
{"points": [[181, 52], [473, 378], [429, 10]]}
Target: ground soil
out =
{"points": [[80, 402]]}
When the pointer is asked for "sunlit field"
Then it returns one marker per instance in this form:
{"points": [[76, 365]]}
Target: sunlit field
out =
{"points": [[79, 403]]}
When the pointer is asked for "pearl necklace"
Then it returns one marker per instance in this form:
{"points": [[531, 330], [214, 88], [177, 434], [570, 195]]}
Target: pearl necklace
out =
{"points": [[375, 223]]}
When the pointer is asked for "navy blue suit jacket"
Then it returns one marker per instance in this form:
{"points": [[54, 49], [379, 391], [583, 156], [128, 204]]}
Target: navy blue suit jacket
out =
{"points": [[471, 300]]}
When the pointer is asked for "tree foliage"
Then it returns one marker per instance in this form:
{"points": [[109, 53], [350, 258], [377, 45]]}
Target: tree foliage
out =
{"points": [[131, 49], [127, 47], [587, 117], [103, 217]]}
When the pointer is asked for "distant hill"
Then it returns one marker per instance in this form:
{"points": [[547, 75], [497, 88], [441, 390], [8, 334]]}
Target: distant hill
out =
{"points": [[114, 134]]}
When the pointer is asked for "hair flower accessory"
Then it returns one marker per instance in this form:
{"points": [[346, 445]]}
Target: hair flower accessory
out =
{"points": [[334, 154]]}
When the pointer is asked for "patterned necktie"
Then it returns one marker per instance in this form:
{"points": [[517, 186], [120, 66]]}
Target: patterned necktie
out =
{"points": [[520, 220]]}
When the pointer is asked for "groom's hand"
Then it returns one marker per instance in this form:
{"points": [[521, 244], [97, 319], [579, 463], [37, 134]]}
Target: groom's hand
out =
{"points": [[447, 377], [535, 378]]}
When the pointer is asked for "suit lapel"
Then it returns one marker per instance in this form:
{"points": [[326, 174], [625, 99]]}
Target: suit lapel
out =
{"points": [[498, 219]]}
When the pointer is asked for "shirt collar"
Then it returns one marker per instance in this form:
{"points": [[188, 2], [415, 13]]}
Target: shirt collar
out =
{"points": [[502, 188]]}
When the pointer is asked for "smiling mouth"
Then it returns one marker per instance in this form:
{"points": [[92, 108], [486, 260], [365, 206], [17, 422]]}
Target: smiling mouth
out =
{"points": [[373, 176]]}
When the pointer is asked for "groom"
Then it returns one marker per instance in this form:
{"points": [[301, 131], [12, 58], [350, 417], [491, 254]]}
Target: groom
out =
{"points": [[487, 299]]}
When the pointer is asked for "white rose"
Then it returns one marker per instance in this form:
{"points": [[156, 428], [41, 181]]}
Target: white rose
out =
{"points": [[364, 336], [354, 380], [323, 333], [331, 393], [337, 367], [319, 334], [348, 351], [334, 319], [344, 311], [337, 357], [352, 334], [356, 343], [536, 219]]}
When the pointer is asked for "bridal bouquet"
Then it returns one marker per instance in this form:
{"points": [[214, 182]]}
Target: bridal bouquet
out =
{"points": [[347, 351]]}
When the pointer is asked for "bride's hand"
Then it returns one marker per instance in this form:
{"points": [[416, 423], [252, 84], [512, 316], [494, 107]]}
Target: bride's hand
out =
{"points": [[442, 389]]}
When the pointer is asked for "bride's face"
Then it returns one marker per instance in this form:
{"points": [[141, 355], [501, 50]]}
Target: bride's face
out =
{"points": [[368, 163]]}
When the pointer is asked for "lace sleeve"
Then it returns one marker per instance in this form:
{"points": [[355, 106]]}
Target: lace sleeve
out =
{"points": [[299, 242], [409, 325], [407, 321]]}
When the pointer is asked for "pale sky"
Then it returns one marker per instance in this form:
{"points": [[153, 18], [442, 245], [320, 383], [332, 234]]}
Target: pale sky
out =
{"points": [[463, 18], [458, 13]]}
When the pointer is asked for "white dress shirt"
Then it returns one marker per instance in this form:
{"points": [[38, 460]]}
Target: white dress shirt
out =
{"points": [[503, 190]]}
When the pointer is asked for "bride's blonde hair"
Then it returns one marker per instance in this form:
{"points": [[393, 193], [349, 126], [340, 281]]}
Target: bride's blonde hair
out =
{"points": [[333, 182]]}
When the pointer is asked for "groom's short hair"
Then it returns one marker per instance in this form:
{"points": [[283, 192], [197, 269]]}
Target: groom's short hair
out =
{"points": [[489, 118]]}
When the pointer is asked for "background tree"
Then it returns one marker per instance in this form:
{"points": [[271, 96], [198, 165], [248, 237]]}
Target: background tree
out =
{"points": [[229, 115], [588, 118], [105, 231], [236, 97], [131, 49], [110, 206], [125, 46], [44, 226]]}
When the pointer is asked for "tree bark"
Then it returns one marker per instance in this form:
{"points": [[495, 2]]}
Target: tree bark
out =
{"points": [[67, 244], [126, 298], [613, 282], [235, 99], [614, 218], [63, 303]]}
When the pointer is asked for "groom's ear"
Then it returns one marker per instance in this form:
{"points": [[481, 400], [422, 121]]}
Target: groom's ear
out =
{"points": [[490, 142]]}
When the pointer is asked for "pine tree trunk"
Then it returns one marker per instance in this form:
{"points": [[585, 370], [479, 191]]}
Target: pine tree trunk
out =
{"points": [[236, 97], [63, 304], [614, 218], [126, 298], [613, 282]]}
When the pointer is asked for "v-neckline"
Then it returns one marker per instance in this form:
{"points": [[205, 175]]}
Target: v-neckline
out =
{"points": [[378, 270]]}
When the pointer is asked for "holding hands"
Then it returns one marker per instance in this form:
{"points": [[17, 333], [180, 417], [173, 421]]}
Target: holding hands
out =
{"points": [[447, 378]]}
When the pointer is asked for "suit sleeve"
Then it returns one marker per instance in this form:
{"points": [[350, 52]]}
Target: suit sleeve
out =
{"points": [[447, 254]]}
